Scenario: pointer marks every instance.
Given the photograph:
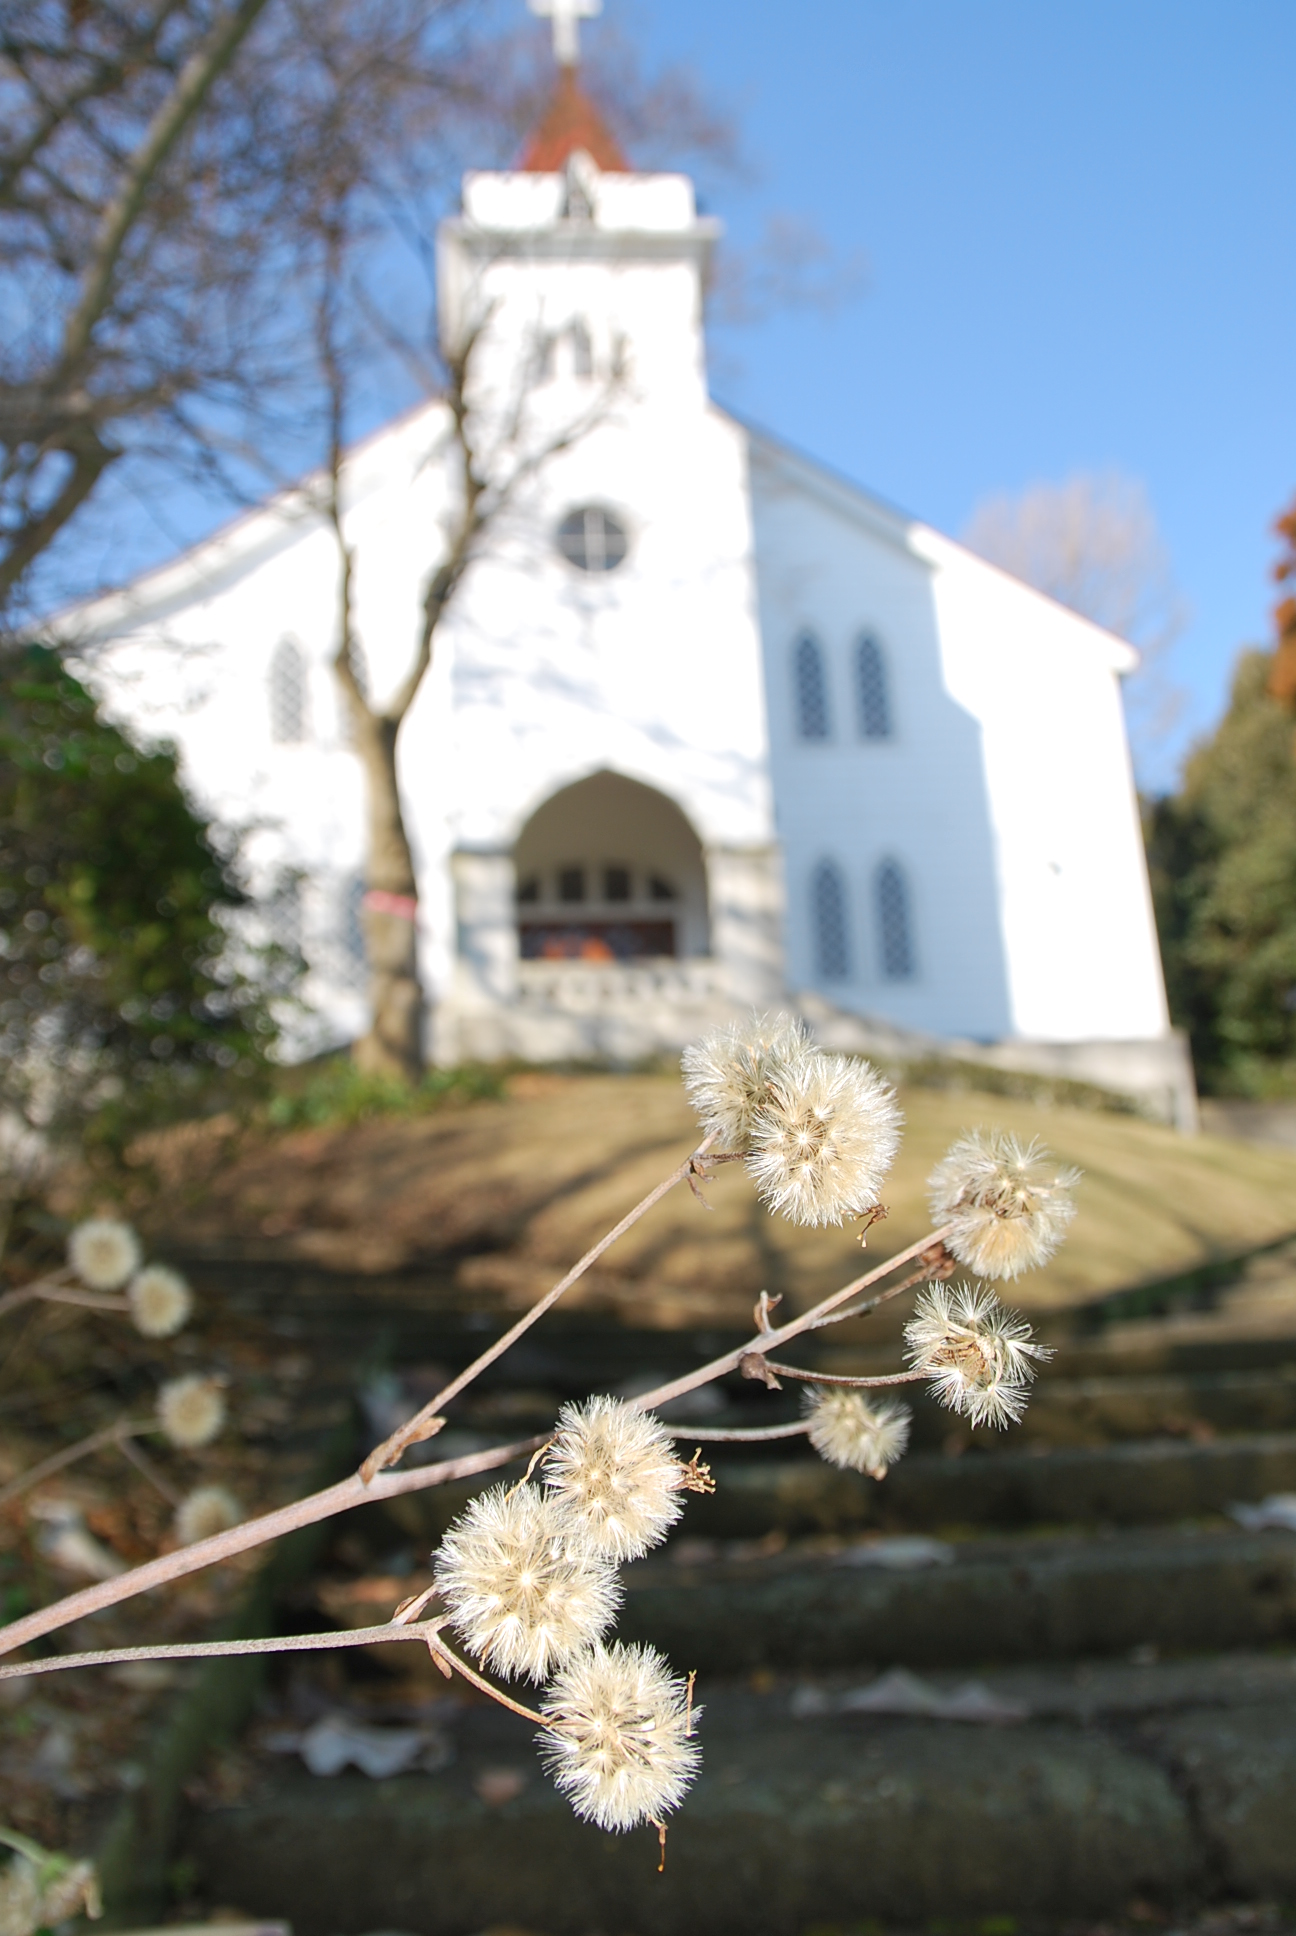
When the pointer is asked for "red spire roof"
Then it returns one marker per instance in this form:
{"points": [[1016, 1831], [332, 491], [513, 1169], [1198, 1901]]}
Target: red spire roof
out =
{"points": [[572, 121]]}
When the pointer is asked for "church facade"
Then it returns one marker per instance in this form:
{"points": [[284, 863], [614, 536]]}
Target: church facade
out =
{"points": [[707, 726]]}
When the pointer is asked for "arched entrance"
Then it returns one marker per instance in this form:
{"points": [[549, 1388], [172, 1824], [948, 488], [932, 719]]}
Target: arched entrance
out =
{"points": [[609, 870]]}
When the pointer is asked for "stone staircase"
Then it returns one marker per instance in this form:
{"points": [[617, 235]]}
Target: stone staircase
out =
{"points": [[1033, 1678]]}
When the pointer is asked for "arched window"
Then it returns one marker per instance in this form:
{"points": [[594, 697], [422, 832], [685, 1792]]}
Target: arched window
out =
{"points": [[582, 350], [872, 700], [894, 922], [288, 694], [811, 684], [831, 933]]}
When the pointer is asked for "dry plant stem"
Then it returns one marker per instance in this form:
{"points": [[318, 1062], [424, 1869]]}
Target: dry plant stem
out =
{"points": [[766, 1341], [220, 1649], [252, 1533], [438, 1647], [358, 1490], [41, 1288], [923, 1276], [410, 1433], [743, 1434], [137, 1457], [115, 1434], [830, 1378]]}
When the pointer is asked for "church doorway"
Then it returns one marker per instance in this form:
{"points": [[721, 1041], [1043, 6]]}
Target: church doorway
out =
{"points": [[609, 870]]}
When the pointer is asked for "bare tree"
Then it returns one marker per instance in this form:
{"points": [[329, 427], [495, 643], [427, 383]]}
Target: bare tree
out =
{"points": [[160, 167], [1092, 543], [493, 447]]}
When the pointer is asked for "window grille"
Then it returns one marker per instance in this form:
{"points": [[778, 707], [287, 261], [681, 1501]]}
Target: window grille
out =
{"points": [[894, 921], [288, 694], [831, 935], [872, 700], [591, 539], [811, 689]]}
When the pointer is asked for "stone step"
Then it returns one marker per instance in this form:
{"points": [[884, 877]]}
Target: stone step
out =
{"points": [[965, 1603], [1116, 1485], [1169, 1785]]}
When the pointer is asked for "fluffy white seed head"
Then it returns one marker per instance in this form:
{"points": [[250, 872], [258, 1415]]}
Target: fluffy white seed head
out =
{"points": [[205, 1511], [824, 1139], [728, 1073], [524, 1593], [191, 1410], [1009, 1202], [104, 1252], [618, 1742], [160, 1301], [615, 1472], [856, 1432], [978, 1356]]}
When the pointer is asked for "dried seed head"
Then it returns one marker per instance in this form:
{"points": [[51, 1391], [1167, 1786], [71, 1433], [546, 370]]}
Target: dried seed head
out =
{"points": [[40, 1896], [824, 1139], [855, 1432], [728, 1073], [191, 1410], [205, 1511], [977, 1355], [523, 1592], [1010, 1204], [615, 1472], [160, 1301], [618, 1743], [104, 1252]]}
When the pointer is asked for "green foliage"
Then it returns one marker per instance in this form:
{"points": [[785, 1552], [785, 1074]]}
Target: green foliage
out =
{"points": [[122, 990], [1222, 854], [335, 1094]]}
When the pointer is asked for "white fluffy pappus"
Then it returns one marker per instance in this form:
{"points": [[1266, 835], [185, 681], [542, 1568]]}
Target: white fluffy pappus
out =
{"points": [[104, 1252], [205, 1511], [727, 1075], [855, 1432], [618, 1743], [1009, 1202], [160, 1301], [615, 1471], [823, 1141], [523, 1593], [979, 1357], [191, 1410]]}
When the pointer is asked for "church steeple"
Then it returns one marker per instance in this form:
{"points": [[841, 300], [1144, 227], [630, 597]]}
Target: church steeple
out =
{"points": [[571, 122]]}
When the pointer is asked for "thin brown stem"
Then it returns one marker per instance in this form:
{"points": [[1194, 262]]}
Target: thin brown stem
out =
{"points": [[767, 1341], [438, 1646], [413, 1429], [833, 1378], [308, 1643], [142, 1463], [923, 1276], [744, 1434], [250, 1534], [114, 1434], [13, 1300]]}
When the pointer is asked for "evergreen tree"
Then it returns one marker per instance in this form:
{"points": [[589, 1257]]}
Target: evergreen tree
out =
{"points": [[1222, 854], [123, 987]]}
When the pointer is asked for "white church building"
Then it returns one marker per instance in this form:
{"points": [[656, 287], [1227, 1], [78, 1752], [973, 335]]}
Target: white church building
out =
{"points": [[707, 727]]}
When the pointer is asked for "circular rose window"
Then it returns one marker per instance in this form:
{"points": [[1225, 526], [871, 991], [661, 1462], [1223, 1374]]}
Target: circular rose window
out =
{"points": [[591, 539]]}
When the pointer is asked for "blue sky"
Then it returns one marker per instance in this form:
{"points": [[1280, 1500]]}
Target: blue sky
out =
{"points": [[1079, 222]]}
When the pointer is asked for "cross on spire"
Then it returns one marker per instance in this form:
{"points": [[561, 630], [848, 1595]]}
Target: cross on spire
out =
{"points": [[566, 16]]}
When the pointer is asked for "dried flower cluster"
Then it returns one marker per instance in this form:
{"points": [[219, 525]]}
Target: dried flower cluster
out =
{"points": [[205, 1511], [104, 1253], [524, 1591], [160, 1301], [191, 1411], [819, 1131], [619, 1743], [978, 1356], [615, 1472], [1009, 1203], [855, 1432]]}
